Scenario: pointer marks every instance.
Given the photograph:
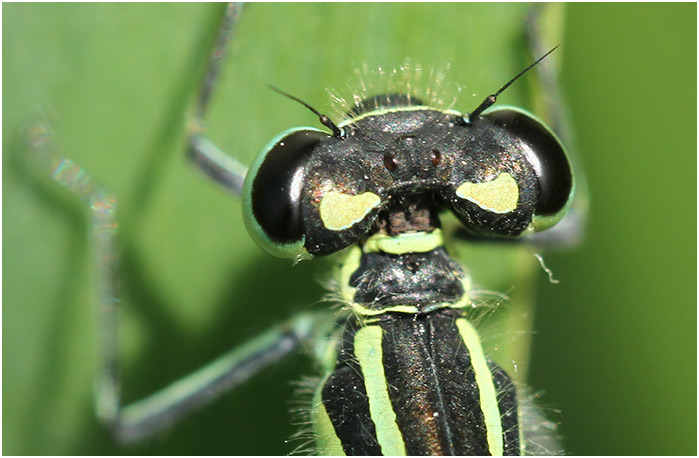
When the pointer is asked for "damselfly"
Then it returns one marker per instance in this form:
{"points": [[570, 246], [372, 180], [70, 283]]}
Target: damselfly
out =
{"points": [[373, 187]]}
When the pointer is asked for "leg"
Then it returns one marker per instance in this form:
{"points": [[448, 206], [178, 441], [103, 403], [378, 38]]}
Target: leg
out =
{"points": [[158, 411], [206, 156]]}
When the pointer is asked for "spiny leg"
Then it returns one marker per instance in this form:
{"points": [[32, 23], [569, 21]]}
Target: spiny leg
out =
{"points": [[206, 155], [102, 207], [158, 411]]}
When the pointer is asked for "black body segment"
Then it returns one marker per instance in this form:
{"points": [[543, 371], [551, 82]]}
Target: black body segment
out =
{"points": [[422, 279], [433, 387], [345, 399], [434, 401], [507, 404]]}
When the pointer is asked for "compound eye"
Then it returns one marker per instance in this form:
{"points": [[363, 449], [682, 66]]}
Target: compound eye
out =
{"points": [[273, 192], [548, 159]]}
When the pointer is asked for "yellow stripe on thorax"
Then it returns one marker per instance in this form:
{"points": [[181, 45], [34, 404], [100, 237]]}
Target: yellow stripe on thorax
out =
{"points": [[486, 388], [368, 350], [326, 439]]}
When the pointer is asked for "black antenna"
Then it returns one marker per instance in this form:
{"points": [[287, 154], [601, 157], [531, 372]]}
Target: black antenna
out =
{"points": [[490, 100], [324, 119]]}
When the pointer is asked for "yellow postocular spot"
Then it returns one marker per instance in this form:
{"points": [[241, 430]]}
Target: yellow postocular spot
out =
{"points": [[340, 211], [498, 196]]}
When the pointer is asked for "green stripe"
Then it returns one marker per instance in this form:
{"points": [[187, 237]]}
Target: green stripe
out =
{"points": [[368, 350], [486, 388], [408, 242], [326, 439]]}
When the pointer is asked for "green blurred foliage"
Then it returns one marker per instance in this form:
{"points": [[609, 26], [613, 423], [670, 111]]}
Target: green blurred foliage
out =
{"points": [[615, 342]]}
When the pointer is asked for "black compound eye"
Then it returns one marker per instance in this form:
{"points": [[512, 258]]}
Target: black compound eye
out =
{"points": [[273, 196], [546, 155]]}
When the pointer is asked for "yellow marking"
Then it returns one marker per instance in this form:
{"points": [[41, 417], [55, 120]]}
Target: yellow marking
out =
{"points": [[326, 439], [365, 311], [498, 196], [349, 265], [486, 388], [340, 211], [368, 350], [407, 242]]}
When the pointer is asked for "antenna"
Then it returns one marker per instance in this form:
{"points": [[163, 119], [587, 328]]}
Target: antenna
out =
{"points": [[490, 100], [324, 119]]}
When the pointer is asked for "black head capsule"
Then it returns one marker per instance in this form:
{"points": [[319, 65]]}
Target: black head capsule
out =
{"points": [[502, 172]]}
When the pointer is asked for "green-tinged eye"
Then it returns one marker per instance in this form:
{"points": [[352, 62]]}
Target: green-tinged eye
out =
{"points": [[498, 196], [272, 192], [547, 157], [340, 211]]}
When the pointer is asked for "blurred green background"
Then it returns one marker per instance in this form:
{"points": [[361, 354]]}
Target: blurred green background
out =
{"points": [[615, 342]]}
